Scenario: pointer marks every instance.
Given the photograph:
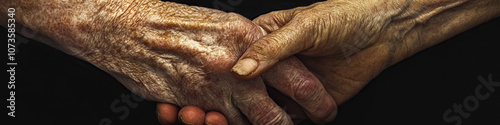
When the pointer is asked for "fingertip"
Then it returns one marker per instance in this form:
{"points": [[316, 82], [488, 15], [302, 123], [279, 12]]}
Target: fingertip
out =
{"points": [[215, 118], [269, 50], [191, 115], [249, 67], [326, 113], [245, 67], [167, 113]]}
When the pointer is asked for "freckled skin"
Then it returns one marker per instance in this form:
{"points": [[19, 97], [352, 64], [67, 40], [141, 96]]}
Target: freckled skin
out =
{"points": [[346, 43], [161, 51], [182, 54]]}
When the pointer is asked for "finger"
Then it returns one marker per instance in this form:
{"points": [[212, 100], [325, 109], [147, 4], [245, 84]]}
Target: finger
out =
{"points": [[215, 118], [167, 113], [276, 19], [294, 80], [191, 115], [291, 107], [294, 37], [253, 101]]}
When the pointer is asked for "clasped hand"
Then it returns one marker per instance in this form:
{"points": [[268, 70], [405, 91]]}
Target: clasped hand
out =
{"points": [[338, 53], [309, 59]]}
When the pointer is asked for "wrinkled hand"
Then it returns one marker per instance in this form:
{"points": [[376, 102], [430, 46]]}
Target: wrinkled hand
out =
{"points": [[346, 43], [339, 41], [171, 53], [298, 86], [182, 55], [338, 46]]}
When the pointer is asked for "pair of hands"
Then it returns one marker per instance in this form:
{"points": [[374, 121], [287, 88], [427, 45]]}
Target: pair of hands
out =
{"points": [[319, 56], [335, 48], [334, 59]]}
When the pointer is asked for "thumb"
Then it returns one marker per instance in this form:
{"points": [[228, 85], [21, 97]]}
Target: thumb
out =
{"points": [[294, 37]]}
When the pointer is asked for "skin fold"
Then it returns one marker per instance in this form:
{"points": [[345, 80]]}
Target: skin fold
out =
{"points": [[171, 53], [346, 43]]}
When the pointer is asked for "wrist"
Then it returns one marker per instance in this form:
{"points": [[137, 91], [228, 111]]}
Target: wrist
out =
{"points": [[69, 26], [53, 21], [420, 26]]}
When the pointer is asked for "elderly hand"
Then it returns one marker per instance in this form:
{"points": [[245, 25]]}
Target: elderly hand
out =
{"points": [[171, 53], [297, 84], [346, 43]]}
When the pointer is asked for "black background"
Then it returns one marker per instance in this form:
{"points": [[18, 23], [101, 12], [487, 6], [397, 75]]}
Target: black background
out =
{"points": [[54, 88]]}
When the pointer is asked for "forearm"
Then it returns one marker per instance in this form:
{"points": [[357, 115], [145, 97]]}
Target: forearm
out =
{"points": [[425, 23], [69, 26]]}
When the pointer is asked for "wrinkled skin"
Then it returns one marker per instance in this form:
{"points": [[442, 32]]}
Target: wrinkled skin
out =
{"points": [[137, 46], [346, 43], [345, 46], [164, 52]]}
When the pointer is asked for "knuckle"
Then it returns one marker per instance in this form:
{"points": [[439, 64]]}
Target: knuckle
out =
{"points": [[242, 29], [267, 16], [238, 22], [306, 89], [235, 16], [308, 21]]}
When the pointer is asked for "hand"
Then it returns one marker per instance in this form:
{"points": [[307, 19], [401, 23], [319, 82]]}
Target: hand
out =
{"points": [[344, 49], [182, 55], [294, 79], [172, 53], [340, 47], [346, 43], [343, 45], [291, 29]]}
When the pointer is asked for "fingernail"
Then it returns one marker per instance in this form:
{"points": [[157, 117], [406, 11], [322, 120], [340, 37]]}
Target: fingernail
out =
{"points": [[182, 120], [245, 67]]}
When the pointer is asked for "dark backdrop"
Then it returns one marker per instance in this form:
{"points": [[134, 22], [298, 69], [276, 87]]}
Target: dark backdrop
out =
{"points": [[54, 88]]}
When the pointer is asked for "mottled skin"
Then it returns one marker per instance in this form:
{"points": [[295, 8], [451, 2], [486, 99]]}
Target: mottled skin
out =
{"points": [[346, 43], [162, 51], [138, 43], [362, 38]]}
